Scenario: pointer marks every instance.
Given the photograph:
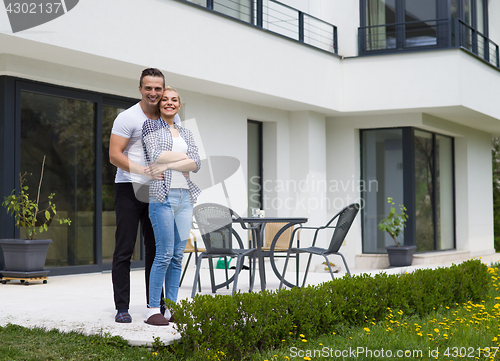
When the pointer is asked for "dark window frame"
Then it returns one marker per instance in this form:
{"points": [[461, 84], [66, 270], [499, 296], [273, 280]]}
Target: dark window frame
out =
{"points": [[10, 156], [409, 185], [449, 32], [260, 158]]}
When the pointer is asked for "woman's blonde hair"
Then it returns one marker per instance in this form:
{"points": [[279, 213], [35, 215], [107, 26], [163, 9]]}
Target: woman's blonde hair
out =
{"points": [[173, 89]]}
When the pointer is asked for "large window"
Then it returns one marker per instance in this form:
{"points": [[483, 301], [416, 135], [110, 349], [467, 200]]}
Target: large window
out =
{"points": [[403, 24], [71, 129], [109, 113], [415, 168], [382, 172], [62, 129], [408, 25]]}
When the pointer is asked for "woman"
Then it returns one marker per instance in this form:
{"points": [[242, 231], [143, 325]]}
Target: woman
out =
{"points": [[169, 149]]}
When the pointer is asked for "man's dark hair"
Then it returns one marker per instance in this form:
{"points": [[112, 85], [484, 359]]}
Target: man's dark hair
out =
{"points": [[151, 72]]}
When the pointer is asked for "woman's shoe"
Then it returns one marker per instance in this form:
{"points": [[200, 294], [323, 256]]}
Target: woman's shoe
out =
{"points": [[157, 320]]}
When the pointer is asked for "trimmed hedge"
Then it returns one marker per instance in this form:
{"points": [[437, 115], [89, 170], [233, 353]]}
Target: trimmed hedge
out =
{"points": [[246, 322]]}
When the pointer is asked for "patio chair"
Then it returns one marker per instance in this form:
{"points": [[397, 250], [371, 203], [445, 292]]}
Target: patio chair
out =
{"points": [[282, 243], [215, 223], [191, 247], [344, 221]]}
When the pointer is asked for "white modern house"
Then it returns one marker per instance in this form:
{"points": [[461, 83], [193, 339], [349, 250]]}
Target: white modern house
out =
{"points": [[301, 107]]}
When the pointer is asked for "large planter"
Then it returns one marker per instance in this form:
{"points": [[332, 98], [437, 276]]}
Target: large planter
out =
{"points": [[400, 256], [24, 257]]}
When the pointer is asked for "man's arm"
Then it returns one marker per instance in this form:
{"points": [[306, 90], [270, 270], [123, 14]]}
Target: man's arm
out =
{"points": [[117, 146]]}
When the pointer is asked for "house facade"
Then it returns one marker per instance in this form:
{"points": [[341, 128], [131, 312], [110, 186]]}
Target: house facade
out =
{"points": [[300, 108]]}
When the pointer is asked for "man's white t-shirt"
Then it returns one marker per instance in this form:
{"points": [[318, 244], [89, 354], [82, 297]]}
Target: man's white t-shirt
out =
{"points": [[128, 124]]}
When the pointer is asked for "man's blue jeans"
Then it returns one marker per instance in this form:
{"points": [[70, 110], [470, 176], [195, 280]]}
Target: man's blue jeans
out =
{"points": [[171, 222]]}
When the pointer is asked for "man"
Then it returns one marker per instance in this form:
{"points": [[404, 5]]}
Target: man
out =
{"points": [[132, 188]]}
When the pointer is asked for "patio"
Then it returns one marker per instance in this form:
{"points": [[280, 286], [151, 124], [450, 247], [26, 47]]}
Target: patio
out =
{"points": [[85, 302]]}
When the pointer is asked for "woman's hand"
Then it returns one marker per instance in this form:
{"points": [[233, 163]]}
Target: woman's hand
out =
{"points": [[155, 170]]}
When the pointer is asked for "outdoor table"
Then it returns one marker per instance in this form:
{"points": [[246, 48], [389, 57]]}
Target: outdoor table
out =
{"points": [[260, 223]]}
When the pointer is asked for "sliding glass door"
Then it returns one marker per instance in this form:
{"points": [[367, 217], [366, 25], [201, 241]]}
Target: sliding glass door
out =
{"points": [[415, 168], [62, 130]]}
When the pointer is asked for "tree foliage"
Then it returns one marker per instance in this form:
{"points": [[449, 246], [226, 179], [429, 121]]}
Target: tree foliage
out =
{"points": [[496, 190]]}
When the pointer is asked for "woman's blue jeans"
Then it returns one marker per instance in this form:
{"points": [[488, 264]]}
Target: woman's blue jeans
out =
{"points": [[171, 222]]}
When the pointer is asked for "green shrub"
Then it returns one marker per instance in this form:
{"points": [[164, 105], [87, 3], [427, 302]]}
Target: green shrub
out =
{"points": [[233, 327]]}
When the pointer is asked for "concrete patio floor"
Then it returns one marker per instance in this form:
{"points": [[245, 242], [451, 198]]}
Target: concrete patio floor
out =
{"points": [[85, 302]]}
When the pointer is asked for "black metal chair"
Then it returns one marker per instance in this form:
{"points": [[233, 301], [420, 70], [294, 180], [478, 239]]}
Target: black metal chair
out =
{"points": [[215, 223], [344, 221], [191, 247], [280, 247]]}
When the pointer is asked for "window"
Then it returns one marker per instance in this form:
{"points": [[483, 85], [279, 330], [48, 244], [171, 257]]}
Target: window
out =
{"points": [[239, 9], [415, 168], [72, 129], [62, 129], [254, 161], [403, 25], [382, 172], [109, 113]]}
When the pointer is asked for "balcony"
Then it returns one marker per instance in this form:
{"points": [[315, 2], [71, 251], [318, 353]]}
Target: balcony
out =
{"points": [[427, 35], [278, 18]]}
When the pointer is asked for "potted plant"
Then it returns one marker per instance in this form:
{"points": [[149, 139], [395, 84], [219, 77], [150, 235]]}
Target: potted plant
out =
{"points": [[394, 223], [25, 258]]}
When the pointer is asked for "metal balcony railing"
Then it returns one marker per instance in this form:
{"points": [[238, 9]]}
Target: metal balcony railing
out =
{"points": [[473, 41], [427, 34], [278, 18]]}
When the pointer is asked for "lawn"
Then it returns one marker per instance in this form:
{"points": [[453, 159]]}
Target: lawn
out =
{"points": [[468, 331]]}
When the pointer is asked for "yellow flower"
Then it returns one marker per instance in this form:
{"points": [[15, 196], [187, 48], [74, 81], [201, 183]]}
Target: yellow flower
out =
{"points": [[367, 329], [307, 358], [155, 353], [420, 333], [333, 333], [301, 335], [436, 330], [304, 340]]}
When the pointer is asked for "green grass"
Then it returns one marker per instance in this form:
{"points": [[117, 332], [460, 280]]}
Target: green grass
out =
{"points": [[468, 331], [20, 343]]}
